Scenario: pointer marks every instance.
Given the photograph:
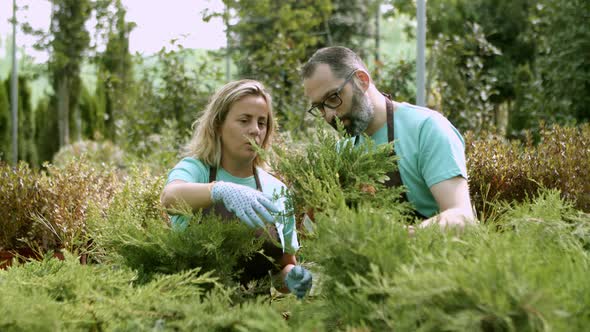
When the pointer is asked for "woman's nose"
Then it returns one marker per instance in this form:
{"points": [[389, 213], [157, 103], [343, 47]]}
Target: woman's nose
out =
{"points": [[254, 129]]}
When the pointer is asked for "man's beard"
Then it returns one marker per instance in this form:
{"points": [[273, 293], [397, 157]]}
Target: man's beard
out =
{"points": [[360, 114]]}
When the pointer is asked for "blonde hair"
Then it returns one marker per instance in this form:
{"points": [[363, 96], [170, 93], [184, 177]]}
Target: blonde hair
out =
{"points": [[205, 143]]}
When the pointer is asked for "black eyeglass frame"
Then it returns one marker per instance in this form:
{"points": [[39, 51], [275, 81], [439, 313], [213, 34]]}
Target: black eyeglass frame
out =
{"points": [[318, 108]]}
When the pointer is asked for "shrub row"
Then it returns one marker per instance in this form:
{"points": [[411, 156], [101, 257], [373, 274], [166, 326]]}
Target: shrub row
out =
{"points": [[46, 210], [531, 276], [514, 170]]}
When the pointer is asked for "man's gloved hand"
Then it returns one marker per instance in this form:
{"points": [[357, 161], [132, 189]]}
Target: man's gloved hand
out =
{"points": [[246, 203], [299, 281]]}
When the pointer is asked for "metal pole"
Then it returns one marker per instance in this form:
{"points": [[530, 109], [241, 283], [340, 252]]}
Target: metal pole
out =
{"points": [[420, 58], [14, 89]]}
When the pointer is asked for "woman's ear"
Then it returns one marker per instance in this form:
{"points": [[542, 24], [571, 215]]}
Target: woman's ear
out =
{"points": [[363, 79]]}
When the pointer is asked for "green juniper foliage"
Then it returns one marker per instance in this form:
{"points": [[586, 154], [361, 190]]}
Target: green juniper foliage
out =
{"points": [[331, 173], [532, 276], [527, 272], [134, 231]]}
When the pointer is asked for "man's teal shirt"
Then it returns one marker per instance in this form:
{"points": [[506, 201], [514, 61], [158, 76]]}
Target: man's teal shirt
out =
{"points": [[430, 150]]}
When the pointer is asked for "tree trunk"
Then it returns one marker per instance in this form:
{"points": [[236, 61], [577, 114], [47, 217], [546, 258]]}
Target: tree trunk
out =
{"points": [[63, 104], [502, 118]]}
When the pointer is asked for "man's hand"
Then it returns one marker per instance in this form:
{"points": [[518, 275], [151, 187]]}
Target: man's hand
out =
{"points": [[246, 203]]}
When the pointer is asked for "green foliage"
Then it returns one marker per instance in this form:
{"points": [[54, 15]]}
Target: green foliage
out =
{"points": [[135, 232], [330, 173], [349, 23], [115, 69], [69, 41], [564, 76], [512, 171], [47, 210], [92, 117], [270, 41], [167, 99], [27, 150], [397, 79], [465, 85], [530, 277], [5, 124], [64, 295], [46, 141], [184, 91], [538, 76]]}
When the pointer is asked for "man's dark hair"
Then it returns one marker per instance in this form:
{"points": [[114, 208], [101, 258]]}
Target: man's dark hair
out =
{"points": [[341, 60]]}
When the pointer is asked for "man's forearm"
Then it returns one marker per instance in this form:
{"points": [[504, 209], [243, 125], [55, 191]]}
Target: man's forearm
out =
{"points": [[455, 217]]}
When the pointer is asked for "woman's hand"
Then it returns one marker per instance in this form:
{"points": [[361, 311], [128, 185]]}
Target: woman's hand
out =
{"points": [[246, 203], [299, 281]]}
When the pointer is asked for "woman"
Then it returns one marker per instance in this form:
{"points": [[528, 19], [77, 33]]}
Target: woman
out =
{"points": [[221, 174]]}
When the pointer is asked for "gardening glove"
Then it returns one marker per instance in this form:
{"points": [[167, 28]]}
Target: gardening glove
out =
{"points": [[246, 203], [299, 281]]}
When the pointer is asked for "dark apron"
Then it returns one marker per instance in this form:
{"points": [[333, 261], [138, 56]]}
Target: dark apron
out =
{"points": [[395, 179], [256, 266]]}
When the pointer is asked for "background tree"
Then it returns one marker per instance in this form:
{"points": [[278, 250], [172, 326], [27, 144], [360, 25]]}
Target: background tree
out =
{"points": [[70, 40], [5, 138], [271, 39], [115, 66], [46, 141], [562, 67], [27, 150]]}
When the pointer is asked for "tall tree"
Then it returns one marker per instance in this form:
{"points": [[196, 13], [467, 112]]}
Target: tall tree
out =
{"points": [[272, 38], [46, 141], [26, 122], [5, 137], [70, 40], [563, 65], [115, 67]]}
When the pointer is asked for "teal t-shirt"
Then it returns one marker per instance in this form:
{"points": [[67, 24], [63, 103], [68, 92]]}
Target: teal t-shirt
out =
{"points": [[193, 170], [430, 150]]}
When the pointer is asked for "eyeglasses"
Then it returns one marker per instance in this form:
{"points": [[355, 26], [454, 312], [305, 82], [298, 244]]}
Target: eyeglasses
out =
{"points": [[332, 101]]}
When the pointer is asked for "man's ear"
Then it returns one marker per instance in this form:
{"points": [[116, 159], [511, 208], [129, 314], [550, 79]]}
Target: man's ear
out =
{"points": [[363, 79]]}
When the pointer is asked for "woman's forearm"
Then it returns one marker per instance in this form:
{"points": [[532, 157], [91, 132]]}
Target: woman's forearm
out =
{"points": [[178, 194]]}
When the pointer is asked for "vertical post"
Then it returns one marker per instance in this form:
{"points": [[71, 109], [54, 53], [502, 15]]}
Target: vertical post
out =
{"points": [[14, 89], [420, 56]]}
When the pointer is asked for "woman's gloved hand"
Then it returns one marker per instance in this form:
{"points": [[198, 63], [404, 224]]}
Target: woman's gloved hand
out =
{"points": [[299, 281], [246, 203]]}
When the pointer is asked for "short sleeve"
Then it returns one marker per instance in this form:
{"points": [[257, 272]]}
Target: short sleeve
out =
{"points": [[189, 170], [442, 151]]}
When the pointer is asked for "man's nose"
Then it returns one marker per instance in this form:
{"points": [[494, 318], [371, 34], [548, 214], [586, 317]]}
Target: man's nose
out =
{"points": [[328, 113]]}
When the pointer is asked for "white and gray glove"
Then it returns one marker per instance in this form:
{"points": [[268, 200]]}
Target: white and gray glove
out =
{"points": [[246, 203]]}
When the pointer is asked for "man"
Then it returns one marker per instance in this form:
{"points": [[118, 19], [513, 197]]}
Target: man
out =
{"points": [[430, 149]]}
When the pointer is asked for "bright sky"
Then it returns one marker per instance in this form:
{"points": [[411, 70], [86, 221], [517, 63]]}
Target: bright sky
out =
{"points": [[158, 22]]}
